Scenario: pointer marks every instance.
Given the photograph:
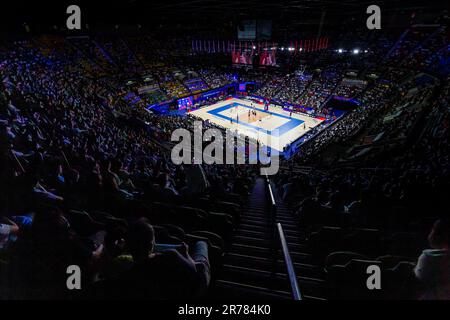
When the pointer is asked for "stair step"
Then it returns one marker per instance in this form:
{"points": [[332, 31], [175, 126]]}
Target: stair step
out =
{"points": [[248, 266], [286, 221], [254, 233], [250, 250], [253, 227], [264, 252], [256, 241], [255, 216], [254, 221], [265, 241], [277, 281], [233, 290], [257, 207], [265, 263], [261, 231], [225, 289], [293, 232]]}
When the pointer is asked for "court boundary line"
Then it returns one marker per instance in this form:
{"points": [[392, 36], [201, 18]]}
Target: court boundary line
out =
{"points": [[281, 130]]}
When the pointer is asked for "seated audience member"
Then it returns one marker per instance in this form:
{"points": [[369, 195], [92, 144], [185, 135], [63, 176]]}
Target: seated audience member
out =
{"points": [[12, 227], [57, 245], [115, 258], [162, 275], [8, 232], [433, 266], [166, 187]]}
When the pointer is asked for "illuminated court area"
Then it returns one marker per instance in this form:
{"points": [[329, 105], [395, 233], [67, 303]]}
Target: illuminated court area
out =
{"points": [[274, 127]]}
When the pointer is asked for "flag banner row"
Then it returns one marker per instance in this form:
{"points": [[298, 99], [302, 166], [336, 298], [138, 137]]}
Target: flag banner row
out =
{"points": [[226, 46]]}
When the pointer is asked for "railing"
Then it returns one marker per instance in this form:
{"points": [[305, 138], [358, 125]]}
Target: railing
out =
{"points": [[289, 265], [277, 229], [272, 198]]}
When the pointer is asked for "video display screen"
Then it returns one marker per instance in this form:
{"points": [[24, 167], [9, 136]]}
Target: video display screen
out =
{"points": [[255, 30], [185, 103], [247, 30], [267, 58], [242, 57]]}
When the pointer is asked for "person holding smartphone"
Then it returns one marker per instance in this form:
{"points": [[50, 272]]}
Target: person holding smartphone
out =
{"points": [[163, 275]]}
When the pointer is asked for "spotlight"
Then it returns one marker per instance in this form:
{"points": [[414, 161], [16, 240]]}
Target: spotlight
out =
{"points": [[355, 51], [340, 50]]}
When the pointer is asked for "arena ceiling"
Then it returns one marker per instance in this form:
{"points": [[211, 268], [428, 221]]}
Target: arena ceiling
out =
{"points": [[202, 13], [264, 8], [272, 8]]}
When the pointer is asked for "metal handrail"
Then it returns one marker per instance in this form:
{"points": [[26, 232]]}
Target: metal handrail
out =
{"points": [[272, 198], [287, 257], [289, 265]]}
